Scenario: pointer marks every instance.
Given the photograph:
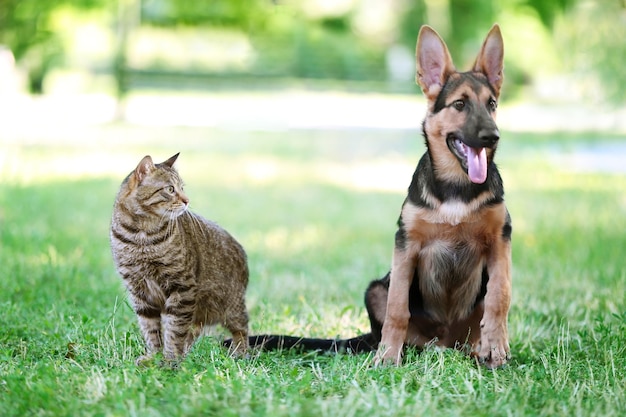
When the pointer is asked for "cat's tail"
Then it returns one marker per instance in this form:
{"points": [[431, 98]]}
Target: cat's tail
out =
{"points": [[359, 344]]}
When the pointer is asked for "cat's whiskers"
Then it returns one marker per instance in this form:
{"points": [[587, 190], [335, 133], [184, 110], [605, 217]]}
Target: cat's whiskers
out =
{"points": [[171, 226], [166, 217], [195, 224]]}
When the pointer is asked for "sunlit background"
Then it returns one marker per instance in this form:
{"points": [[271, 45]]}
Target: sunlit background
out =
{"points": [[67, 65], [267, 95], [300, 64]]}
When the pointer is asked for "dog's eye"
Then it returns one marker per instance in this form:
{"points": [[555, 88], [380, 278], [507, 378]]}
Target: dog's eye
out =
{"points": [[459, 105], [492, 104]]}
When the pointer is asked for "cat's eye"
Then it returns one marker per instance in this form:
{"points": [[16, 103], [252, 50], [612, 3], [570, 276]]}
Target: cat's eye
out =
{"points": [[170, 189]]}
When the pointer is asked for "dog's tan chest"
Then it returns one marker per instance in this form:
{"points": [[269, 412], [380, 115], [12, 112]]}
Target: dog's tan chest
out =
{"points": [[453, 222], [449, 273], [450, 256]]}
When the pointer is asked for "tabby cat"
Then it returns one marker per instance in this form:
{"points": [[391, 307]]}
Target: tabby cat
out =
{"points": [[182, 272]]}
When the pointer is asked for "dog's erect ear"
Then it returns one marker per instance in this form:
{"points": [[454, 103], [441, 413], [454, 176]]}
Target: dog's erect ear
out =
{"points": [[434, 64], [170, 162], [490, 58]]}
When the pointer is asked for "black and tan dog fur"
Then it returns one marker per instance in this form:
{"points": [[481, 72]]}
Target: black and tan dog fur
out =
{"points": [[450, 278]]}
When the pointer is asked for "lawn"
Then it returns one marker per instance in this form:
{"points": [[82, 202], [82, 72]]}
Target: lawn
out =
{"points": [[316, 212]]}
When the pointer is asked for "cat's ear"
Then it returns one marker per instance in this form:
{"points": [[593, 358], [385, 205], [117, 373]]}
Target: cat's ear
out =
{"points": [[145, 167], [170, 162], [490, 58], [434, 64]]}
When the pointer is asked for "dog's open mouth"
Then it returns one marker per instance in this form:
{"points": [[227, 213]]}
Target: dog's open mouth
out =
{"points": [[473, 159]]}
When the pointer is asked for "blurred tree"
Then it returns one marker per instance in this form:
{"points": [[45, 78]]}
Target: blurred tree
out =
{"points": [[288, 41], [245, 14], [346, 39], [469, 21], [25, 27], [548, 11], [591, 43], [412, 15]]}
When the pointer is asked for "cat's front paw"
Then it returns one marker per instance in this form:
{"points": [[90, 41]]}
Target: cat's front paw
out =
{"points": [[145, 361]]}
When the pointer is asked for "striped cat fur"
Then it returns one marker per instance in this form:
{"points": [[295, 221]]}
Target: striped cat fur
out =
{"points": [[181, 271]]}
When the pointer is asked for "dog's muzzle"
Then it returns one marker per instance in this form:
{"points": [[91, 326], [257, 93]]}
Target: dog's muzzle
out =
{"points": [[473, 156]]}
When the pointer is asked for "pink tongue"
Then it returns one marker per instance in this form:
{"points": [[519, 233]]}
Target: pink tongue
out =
{"points": [[477, 164]]}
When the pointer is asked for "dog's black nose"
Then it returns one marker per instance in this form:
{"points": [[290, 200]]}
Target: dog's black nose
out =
{"points": [[489, 136]]}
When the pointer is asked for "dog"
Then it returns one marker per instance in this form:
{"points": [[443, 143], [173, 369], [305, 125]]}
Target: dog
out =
{"points": [[450, 278]]}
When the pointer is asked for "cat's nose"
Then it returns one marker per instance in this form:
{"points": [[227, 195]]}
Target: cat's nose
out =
{"points": [[184, 199]]}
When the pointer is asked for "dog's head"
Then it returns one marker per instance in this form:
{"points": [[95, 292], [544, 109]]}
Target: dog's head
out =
{"points": [[460, 127]]}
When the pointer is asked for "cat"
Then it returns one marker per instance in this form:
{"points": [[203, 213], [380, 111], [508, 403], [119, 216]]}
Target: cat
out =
{"points": [[181, 271]]}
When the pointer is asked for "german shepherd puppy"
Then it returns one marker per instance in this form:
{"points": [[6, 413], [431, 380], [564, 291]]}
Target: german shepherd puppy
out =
{"points": [[450, 278]]}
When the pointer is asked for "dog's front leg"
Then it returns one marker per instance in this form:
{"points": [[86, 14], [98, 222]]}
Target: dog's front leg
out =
{"points": [[493, 350], [397, 316]]}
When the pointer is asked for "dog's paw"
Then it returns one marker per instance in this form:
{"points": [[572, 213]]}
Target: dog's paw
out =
{"points": [[386, 356], [493, 357], [493, 350]]}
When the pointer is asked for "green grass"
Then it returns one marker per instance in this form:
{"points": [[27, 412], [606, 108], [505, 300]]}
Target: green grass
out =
{"points": [[316, 212]]}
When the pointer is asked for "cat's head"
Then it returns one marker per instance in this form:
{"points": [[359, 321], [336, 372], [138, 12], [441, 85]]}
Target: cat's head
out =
{"points": [[155, 189]]}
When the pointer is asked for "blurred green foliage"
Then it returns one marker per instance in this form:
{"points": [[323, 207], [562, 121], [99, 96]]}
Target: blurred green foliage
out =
{"points": [[343, 40], [25, 27], [592, 42], [548, 10], [246, 14]]}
